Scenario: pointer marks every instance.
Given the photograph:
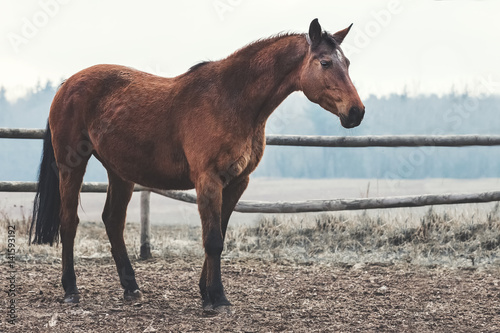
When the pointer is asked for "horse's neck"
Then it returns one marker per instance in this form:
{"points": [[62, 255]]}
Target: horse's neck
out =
{"points": [[271, 74]]}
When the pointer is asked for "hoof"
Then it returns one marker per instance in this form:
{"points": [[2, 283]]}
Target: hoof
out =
{"points": [[208, 307], [72, 299], [221, 307], [135, 295], [210, 310], [224, 309]]}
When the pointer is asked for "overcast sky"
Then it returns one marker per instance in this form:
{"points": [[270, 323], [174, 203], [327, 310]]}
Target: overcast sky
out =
{"points": [[423, 46]]}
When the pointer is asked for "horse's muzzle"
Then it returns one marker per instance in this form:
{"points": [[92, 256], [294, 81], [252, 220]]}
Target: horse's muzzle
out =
{"points": [[354, 117]]}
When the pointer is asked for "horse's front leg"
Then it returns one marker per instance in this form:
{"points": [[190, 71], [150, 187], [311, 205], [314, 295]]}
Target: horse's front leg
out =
{"points": [[209, 192]]}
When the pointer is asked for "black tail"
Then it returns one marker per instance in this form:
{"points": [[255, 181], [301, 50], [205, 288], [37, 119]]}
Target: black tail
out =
{"points": [[45, 222]]}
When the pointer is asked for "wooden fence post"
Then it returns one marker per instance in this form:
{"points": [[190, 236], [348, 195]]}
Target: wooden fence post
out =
{"points": [[145, 225]]}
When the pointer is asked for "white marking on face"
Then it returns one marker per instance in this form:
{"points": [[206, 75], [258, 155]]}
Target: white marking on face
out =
{"points": [[339, 54]]}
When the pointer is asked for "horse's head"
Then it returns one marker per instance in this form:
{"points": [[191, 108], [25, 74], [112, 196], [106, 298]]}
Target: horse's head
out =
{"points": [[324, 77]]}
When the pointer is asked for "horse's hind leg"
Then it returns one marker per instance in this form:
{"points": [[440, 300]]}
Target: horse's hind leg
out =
{"points": [[70, 181], [114, 214]]}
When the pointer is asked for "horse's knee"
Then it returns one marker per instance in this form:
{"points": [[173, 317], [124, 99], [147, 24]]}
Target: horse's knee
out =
{"points": [[68, 227], [105, 214]]}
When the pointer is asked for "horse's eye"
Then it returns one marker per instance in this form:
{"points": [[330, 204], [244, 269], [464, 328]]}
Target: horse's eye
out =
{"points": [[325, 64]]}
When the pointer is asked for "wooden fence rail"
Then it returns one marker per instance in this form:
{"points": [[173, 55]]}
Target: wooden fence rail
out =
{"points": [[384, 141], [280, 207]]}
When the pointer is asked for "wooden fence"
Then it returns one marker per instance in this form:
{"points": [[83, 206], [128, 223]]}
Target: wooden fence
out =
{"points": [[299, 206]]}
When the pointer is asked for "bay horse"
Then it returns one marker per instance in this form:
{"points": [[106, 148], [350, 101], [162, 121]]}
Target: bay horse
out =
{"points": [[204, 129]]}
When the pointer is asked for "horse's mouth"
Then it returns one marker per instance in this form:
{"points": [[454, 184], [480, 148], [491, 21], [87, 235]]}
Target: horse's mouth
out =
{"points": [[350, 124]]}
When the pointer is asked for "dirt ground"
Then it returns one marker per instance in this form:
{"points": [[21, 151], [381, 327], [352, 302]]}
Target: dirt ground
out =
{"points": [[266, 297]]}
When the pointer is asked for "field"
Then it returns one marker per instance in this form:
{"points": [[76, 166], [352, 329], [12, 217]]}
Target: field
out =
{"points": [[414, 270]]}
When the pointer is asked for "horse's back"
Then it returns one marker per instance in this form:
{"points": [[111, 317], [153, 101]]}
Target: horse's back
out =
{"points": [[98, 96], [101, 82]]}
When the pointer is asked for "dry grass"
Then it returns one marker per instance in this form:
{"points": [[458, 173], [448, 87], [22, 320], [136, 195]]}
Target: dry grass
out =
{"points": [[452, 237], [462, 238]]}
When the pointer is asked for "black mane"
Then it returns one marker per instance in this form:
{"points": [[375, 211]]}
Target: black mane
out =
{"points": [[198, 65]]}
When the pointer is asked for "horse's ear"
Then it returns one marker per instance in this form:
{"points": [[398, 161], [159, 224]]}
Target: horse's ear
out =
{"points": [[340, 35], [315, 33]]}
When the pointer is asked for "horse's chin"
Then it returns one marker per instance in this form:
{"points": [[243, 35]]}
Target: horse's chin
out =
{"points": [[349, 124]]}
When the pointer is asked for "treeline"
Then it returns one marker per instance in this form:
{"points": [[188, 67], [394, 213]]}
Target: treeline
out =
{"points": [[392, 115]]}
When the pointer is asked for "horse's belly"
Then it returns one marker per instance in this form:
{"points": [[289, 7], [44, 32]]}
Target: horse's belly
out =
{"points": [[147, 165], [164, 181], [172, 177]]}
